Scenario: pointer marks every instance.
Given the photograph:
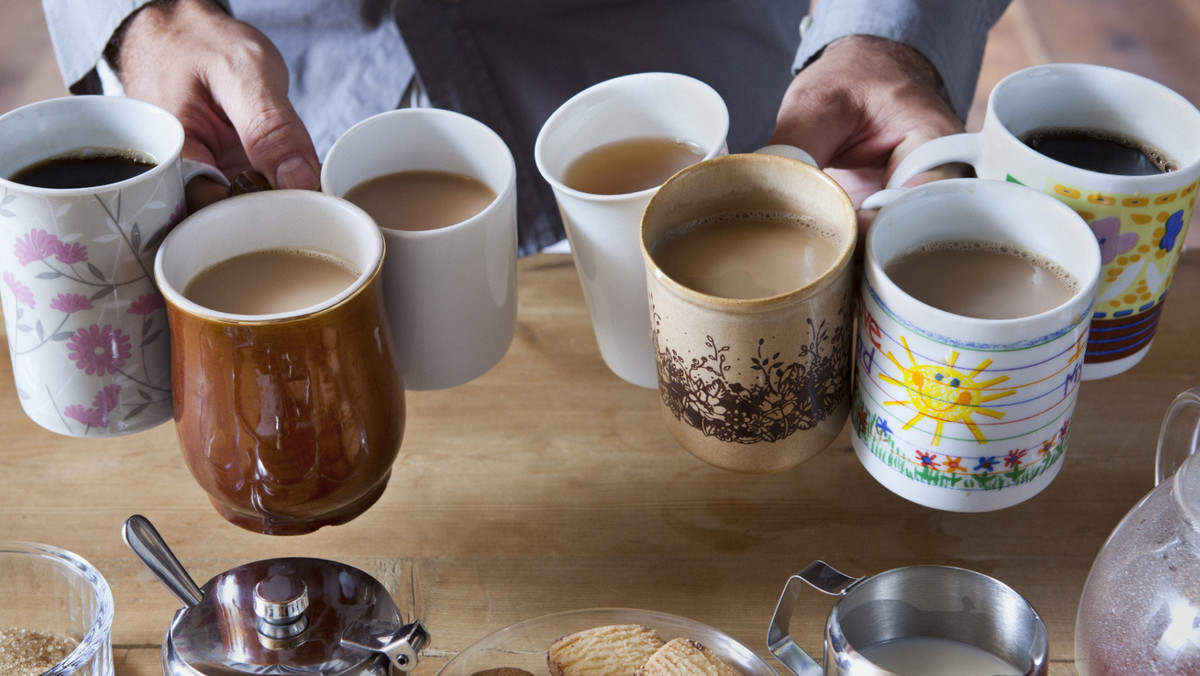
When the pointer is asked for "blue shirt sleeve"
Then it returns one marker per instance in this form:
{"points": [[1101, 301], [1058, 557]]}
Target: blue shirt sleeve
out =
{"points": [[79, 32], [951, 34]]}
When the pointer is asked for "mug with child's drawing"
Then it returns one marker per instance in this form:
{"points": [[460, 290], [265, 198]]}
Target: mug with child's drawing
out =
{"points": [[963, 412]]}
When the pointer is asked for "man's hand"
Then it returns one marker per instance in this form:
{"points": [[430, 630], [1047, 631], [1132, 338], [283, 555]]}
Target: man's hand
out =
{"points": [[862, 106], [227, 84]]}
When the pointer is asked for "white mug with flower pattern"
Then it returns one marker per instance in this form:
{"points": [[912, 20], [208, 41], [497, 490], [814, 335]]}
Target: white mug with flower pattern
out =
{"points": [[86, 325]]}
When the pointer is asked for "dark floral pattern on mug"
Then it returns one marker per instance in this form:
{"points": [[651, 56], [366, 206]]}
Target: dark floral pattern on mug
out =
{"points": [[788, 393], [71, 291]]}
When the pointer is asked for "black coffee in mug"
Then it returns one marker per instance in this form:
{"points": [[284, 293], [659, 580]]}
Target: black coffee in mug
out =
{"points": [[84, 168], [1099, 150]]}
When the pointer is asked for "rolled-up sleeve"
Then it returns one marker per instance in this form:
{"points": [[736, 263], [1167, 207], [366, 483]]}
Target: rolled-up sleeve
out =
{"points": [[79, 32], [951, 34]]}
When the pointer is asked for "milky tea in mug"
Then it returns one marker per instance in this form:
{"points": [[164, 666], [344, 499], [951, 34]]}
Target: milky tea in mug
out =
{"points": [[982, 279], [629, 166], [420, 199], [270, 281], [751, 254]]}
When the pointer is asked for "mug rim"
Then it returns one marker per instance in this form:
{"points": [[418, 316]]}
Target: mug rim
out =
{"points": [[599, 90], [1151, 183], [842, 263], [874, 273], [176, 298], [509, 180], [162, 164]]}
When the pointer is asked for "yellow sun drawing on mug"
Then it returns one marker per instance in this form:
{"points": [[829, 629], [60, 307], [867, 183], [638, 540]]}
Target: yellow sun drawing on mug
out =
{"points": [[945, 394]]}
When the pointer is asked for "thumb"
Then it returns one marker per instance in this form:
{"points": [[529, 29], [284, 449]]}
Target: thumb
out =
{"points": [[273, 136]]}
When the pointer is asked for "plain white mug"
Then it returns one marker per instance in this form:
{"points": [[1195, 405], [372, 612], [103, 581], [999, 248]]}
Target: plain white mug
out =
{"points": [[451, 292]]}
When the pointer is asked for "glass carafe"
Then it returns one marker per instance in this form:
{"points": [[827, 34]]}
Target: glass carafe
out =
{"points": [[1140, 610]]}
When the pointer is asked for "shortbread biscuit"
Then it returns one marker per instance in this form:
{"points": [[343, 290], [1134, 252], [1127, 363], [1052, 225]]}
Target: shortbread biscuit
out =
{"points": [[685, 657], [611, 650]]}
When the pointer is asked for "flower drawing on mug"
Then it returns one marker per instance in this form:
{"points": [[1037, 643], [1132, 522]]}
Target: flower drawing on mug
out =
{"points": [[1112, 242], [99, 350], [945, 394], [107, 400], [62, 297], [22, 293]]}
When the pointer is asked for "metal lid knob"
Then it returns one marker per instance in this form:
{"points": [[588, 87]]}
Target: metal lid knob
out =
{"points": [[280, 599], [279, 603]]}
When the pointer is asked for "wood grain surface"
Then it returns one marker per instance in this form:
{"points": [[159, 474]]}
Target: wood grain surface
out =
{"points": [[549, 484]]}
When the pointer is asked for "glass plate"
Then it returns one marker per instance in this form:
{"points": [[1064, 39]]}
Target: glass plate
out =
{"points": [[524, 645]]}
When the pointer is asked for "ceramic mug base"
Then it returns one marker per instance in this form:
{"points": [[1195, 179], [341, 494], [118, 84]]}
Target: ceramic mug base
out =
{"points": [[757, 458], [1107, 369], [949, 499], [259, 523]]}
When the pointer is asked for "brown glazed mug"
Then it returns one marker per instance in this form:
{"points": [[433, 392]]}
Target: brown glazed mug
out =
{"points": [[753, 384], [289, 420]]}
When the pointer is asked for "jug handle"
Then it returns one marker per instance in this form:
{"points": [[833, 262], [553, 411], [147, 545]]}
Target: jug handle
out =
{"points": [[820, 576], [1179, 435]]}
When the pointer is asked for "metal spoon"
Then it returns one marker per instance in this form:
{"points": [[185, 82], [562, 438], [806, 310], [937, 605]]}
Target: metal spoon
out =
{"points": [[149, 546]]}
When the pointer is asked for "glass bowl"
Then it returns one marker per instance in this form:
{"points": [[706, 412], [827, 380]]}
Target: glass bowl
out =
{"points": [[50, 598], [524, 645]]}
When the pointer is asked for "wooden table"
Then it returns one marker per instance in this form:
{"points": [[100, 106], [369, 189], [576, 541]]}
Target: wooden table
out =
{"points": [[549, 484]]}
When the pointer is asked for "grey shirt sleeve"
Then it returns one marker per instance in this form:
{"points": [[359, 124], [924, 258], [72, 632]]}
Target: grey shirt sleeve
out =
{"points": [[951, 34]]}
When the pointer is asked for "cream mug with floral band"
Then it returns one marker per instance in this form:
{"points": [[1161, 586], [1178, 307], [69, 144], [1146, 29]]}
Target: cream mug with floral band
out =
{"points": [[1139, 219], [86, 324], [750, 282]]}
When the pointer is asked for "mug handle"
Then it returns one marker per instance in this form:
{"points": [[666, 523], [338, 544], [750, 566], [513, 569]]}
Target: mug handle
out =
{"points": [[825, 579], [933, 153], [1179, 436], [784, 150], [193, 168]]}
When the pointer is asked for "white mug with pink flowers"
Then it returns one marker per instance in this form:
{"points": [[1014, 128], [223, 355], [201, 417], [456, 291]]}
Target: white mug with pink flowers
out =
{"points": [[89, 187]]}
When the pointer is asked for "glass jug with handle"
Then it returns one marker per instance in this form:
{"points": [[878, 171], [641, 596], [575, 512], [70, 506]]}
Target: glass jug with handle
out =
{"points": [[1140, 609]]}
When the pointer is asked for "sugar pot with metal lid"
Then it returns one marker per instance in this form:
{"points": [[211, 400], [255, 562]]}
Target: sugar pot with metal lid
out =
{"points": [[278, 616]]}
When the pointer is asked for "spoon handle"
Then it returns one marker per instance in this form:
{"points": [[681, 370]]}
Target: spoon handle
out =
{"points": [[149, 546]]}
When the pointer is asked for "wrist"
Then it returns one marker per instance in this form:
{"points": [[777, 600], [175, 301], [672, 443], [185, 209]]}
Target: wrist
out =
{"points": [[900, 57]]}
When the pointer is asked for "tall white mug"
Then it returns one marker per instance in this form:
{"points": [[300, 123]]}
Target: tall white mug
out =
{"points": [[604, 229]]}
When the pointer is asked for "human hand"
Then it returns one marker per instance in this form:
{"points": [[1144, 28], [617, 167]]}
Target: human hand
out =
{"points": [[861, 107], [227, 84]]}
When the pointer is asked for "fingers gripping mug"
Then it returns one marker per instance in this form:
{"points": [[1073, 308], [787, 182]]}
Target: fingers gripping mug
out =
{"points": [[1121, 150]]}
